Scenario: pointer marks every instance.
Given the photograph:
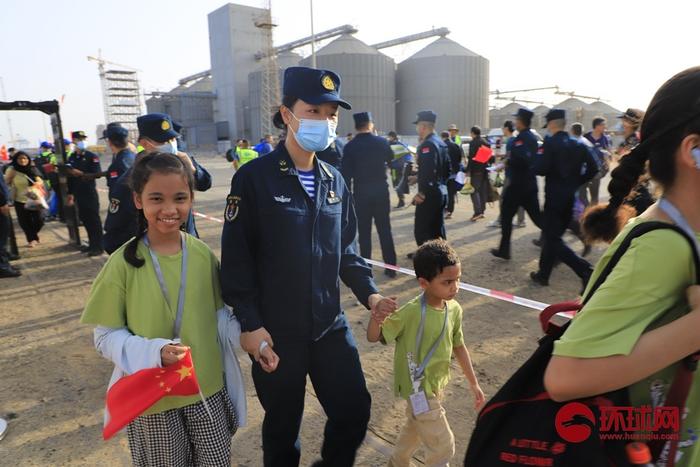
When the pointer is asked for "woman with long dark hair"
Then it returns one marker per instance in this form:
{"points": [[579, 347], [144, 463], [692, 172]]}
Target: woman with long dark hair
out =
{"points": [[644, 319], [20, 176]]}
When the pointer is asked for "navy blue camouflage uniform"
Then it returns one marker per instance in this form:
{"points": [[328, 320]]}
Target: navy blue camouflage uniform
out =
{"points": [[365, 162], [85, 194], [566, 164], [282, 258], [433, 173]]}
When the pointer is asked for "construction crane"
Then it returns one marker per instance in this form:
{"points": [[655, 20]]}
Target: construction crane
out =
{"points": [[270, 85], [546, 88], [579, 96], [121, 93], [516, 99]]}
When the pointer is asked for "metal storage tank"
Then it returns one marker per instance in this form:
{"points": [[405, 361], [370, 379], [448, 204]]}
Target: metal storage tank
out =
{"points": [[538, 119], [447, 78], [252, 112], [498, 116], [368, 80]]}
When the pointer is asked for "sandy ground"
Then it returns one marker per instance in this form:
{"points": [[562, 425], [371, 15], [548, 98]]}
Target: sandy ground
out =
{"points": [[52, 382]]}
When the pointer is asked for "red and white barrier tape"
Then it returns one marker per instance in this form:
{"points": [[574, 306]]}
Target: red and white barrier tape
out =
{"points": [[497, 294]]}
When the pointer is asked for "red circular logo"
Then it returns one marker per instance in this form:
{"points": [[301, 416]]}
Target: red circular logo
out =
{"points": [[574, 422]]}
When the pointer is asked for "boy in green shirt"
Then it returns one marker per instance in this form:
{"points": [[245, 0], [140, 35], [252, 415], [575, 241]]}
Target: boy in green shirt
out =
{"points": [[432, 322]]}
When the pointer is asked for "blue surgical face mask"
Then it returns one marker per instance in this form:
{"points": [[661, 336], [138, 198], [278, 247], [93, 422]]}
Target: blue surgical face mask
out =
{"points": [[314, 135], [81, 145], [169, 147]]}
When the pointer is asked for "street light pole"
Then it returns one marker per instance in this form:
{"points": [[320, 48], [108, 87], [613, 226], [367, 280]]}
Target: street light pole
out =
{"points": [[313, 36]]}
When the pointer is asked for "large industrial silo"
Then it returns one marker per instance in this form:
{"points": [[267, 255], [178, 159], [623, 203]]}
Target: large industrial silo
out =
{"points": [[253, 112], [447, 78], [368, 80]]}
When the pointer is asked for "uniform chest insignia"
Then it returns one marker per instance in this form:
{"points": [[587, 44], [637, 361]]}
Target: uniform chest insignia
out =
{"points": [[283, 166], [282, 199], [425, 150], [232, 207], [113, 205]]}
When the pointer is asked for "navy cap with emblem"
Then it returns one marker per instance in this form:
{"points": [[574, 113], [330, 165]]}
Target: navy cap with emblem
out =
{"points": [[313, 86], [78, 135], [156, 126], [426, 116], [115, 130], [362, 117], [524, 114], [555, 114]]}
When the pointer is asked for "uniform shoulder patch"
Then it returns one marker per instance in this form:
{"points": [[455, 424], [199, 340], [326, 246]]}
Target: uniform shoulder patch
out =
{"points": [[113, 205], [232, 207], [425, 150], [519, 143]]}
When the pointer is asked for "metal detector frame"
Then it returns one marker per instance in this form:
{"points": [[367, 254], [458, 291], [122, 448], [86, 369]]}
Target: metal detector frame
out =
{"points": [[51, 109]]}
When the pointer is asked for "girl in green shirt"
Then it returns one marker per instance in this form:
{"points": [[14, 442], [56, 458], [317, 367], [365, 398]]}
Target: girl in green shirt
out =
{"points": [[645, 317], [155, 298]]}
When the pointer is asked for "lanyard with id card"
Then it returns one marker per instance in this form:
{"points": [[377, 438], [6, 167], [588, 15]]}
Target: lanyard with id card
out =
{"points": [[418, 400]]}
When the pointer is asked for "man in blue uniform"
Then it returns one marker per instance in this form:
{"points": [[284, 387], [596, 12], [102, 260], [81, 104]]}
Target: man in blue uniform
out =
{"points": [[120, 224], [433, 172], [365, 160], [84, 168], [566, 164], [287, 242], [157, 132], [332, 155], [521, 185]]}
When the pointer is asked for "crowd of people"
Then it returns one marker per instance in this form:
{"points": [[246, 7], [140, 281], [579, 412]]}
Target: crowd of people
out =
{"points": [[163, 295]]}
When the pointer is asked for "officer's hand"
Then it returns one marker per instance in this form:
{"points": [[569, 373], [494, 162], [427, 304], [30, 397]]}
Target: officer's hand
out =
{"points": [[5, 210], [70, 200], [251, 343], [381, 307], [172, 353], [186, 161]]}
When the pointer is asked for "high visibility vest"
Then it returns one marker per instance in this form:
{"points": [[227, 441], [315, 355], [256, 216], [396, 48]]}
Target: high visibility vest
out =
{"points": [[245, 156], [458, 141]]}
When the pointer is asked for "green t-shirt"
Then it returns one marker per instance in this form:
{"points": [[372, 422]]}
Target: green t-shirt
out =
{"points": [[645, 290], [402, 328], [125, 296]]}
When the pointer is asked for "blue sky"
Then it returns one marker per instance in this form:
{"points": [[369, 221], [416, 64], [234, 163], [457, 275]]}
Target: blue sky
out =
{"points": [[619, 50]]}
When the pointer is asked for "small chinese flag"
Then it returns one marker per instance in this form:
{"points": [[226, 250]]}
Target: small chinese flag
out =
{"points": [[132, 395]]}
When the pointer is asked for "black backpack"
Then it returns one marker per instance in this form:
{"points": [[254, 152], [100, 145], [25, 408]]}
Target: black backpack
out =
{"points": [[518, 426]]}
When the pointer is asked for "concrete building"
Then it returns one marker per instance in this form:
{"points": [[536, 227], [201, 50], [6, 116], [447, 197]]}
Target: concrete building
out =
{"points": [[233, 42]]}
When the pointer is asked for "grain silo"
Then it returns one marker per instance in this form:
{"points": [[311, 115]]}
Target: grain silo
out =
{"points": [[498, 116], [368, 80], [447, 78], [253, 112]]}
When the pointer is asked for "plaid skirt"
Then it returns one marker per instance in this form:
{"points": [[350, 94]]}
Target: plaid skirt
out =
{"points": [[186, 436]]}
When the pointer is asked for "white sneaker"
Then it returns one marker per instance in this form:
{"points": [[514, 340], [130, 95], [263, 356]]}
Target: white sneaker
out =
{"points": [[494, 224], [519, 225]]}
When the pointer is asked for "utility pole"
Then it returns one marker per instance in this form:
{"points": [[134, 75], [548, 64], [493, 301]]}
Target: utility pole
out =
{"points": [[313, 37]]}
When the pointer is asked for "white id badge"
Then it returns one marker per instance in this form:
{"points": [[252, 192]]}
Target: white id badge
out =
{"points": [[419, 403]]}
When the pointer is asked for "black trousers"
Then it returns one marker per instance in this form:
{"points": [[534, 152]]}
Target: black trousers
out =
{"points": [[430, 218], [377, 207], [479, 181], [451, 195], [89, 214], [4, 236], [30, 221], [333, 364], [514, 198], [555, 221], [402, 188]]}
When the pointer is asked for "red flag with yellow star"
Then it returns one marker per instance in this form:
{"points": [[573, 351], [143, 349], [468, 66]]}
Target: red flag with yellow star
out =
{"points": [[132, 395]]}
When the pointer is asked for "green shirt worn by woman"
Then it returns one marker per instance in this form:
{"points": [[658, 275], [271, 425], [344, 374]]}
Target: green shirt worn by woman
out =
{"points": [[125, 296], [402, 327], [645, 290]]}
